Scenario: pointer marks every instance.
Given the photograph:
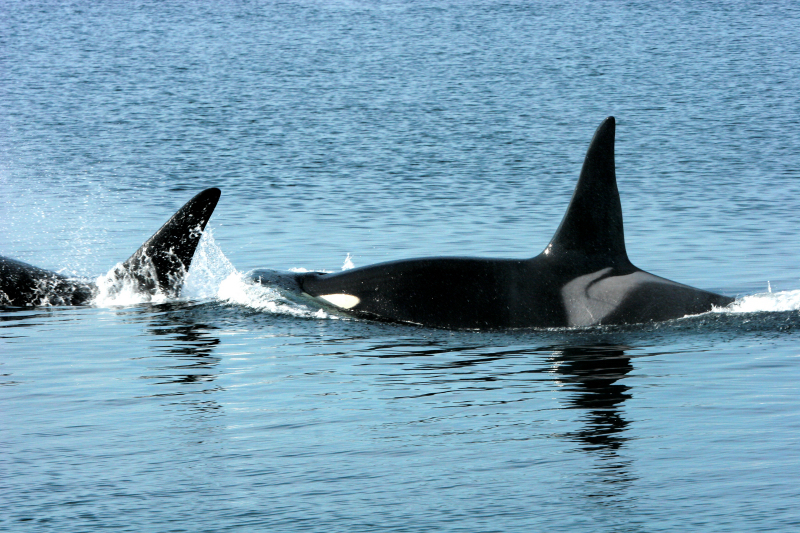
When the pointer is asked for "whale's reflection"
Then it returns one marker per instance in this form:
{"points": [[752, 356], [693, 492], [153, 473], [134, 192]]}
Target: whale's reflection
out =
{"points": [[452, 371], [191, 349], [588, 378], [183, 364], [594, 373]]}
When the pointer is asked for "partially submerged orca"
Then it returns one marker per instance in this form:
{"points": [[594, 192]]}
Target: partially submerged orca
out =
{"points": [[582, 278], [159, 265]]}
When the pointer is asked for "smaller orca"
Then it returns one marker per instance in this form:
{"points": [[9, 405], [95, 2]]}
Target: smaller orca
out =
{"points": [[159, 265], [582, 278]]}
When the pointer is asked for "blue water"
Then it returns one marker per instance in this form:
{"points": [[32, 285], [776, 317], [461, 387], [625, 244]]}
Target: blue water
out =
{"points": [[389, 130]]}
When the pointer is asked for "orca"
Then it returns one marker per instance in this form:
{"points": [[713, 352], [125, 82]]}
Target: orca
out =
{"points": [[582, 278], [159, 265]]}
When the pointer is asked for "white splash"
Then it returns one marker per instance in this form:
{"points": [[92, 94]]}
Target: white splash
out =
{"points": [[210, 268], [300, 270], [118, 288], [348, 262], [212, 275], [764, 302], [238, 289]]}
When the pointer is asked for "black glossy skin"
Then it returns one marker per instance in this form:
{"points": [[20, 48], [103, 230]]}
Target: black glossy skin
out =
{"points": [[22, 285], [508, 293], [160, 264], [583, 278]]}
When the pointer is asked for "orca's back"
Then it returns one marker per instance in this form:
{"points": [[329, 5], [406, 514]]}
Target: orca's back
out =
{"points": [[23, 285]]}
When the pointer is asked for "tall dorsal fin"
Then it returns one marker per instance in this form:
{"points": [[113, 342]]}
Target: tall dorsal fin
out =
{"points": [[592, 224], [162, 262]]}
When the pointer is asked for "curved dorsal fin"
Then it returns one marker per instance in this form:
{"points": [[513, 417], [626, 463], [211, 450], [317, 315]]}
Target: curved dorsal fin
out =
{"points": [[162, 262], [592, 224]]}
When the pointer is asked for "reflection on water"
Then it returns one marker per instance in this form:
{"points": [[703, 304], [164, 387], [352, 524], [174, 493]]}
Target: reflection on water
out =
{"points": [[420, 388], [490, 373], [593, 373], [185, 362], [277, 406], [588, 375]]}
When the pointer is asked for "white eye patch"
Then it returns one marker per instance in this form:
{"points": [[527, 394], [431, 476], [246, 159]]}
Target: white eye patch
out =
{"points": [[345, 301]]}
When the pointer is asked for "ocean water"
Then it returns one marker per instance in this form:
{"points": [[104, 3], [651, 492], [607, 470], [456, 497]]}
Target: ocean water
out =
{"points": [[351, 132]]}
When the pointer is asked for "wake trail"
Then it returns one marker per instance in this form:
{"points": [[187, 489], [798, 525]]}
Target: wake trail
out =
{"points": [[767, 302]]}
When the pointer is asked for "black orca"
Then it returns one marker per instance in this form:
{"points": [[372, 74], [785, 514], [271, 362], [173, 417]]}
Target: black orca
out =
{"points": [[582, 278], [159, 265]]}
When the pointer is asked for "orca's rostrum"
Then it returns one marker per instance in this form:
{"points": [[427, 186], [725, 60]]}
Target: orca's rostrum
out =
{"points": [[158, 266], [582, 278]]}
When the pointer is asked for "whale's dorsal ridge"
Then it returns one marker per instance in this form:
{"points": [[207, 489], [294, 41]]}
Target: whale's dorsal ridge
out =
{"points": [[592, 224]]}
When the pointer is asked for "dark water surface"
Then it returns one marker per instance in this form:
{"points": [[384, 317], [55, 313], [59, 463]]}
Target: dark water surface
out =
{"points": [[389, 130]]}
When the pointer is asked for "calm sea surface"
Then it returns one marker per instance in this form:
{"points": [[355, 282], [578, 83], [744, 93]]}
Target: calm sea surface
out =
{"points": [[363, 131]]}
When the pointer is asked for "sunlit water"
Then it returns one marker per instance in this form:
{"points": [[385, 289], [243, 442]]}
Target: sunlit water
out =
{"points": [[347, 133]]}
